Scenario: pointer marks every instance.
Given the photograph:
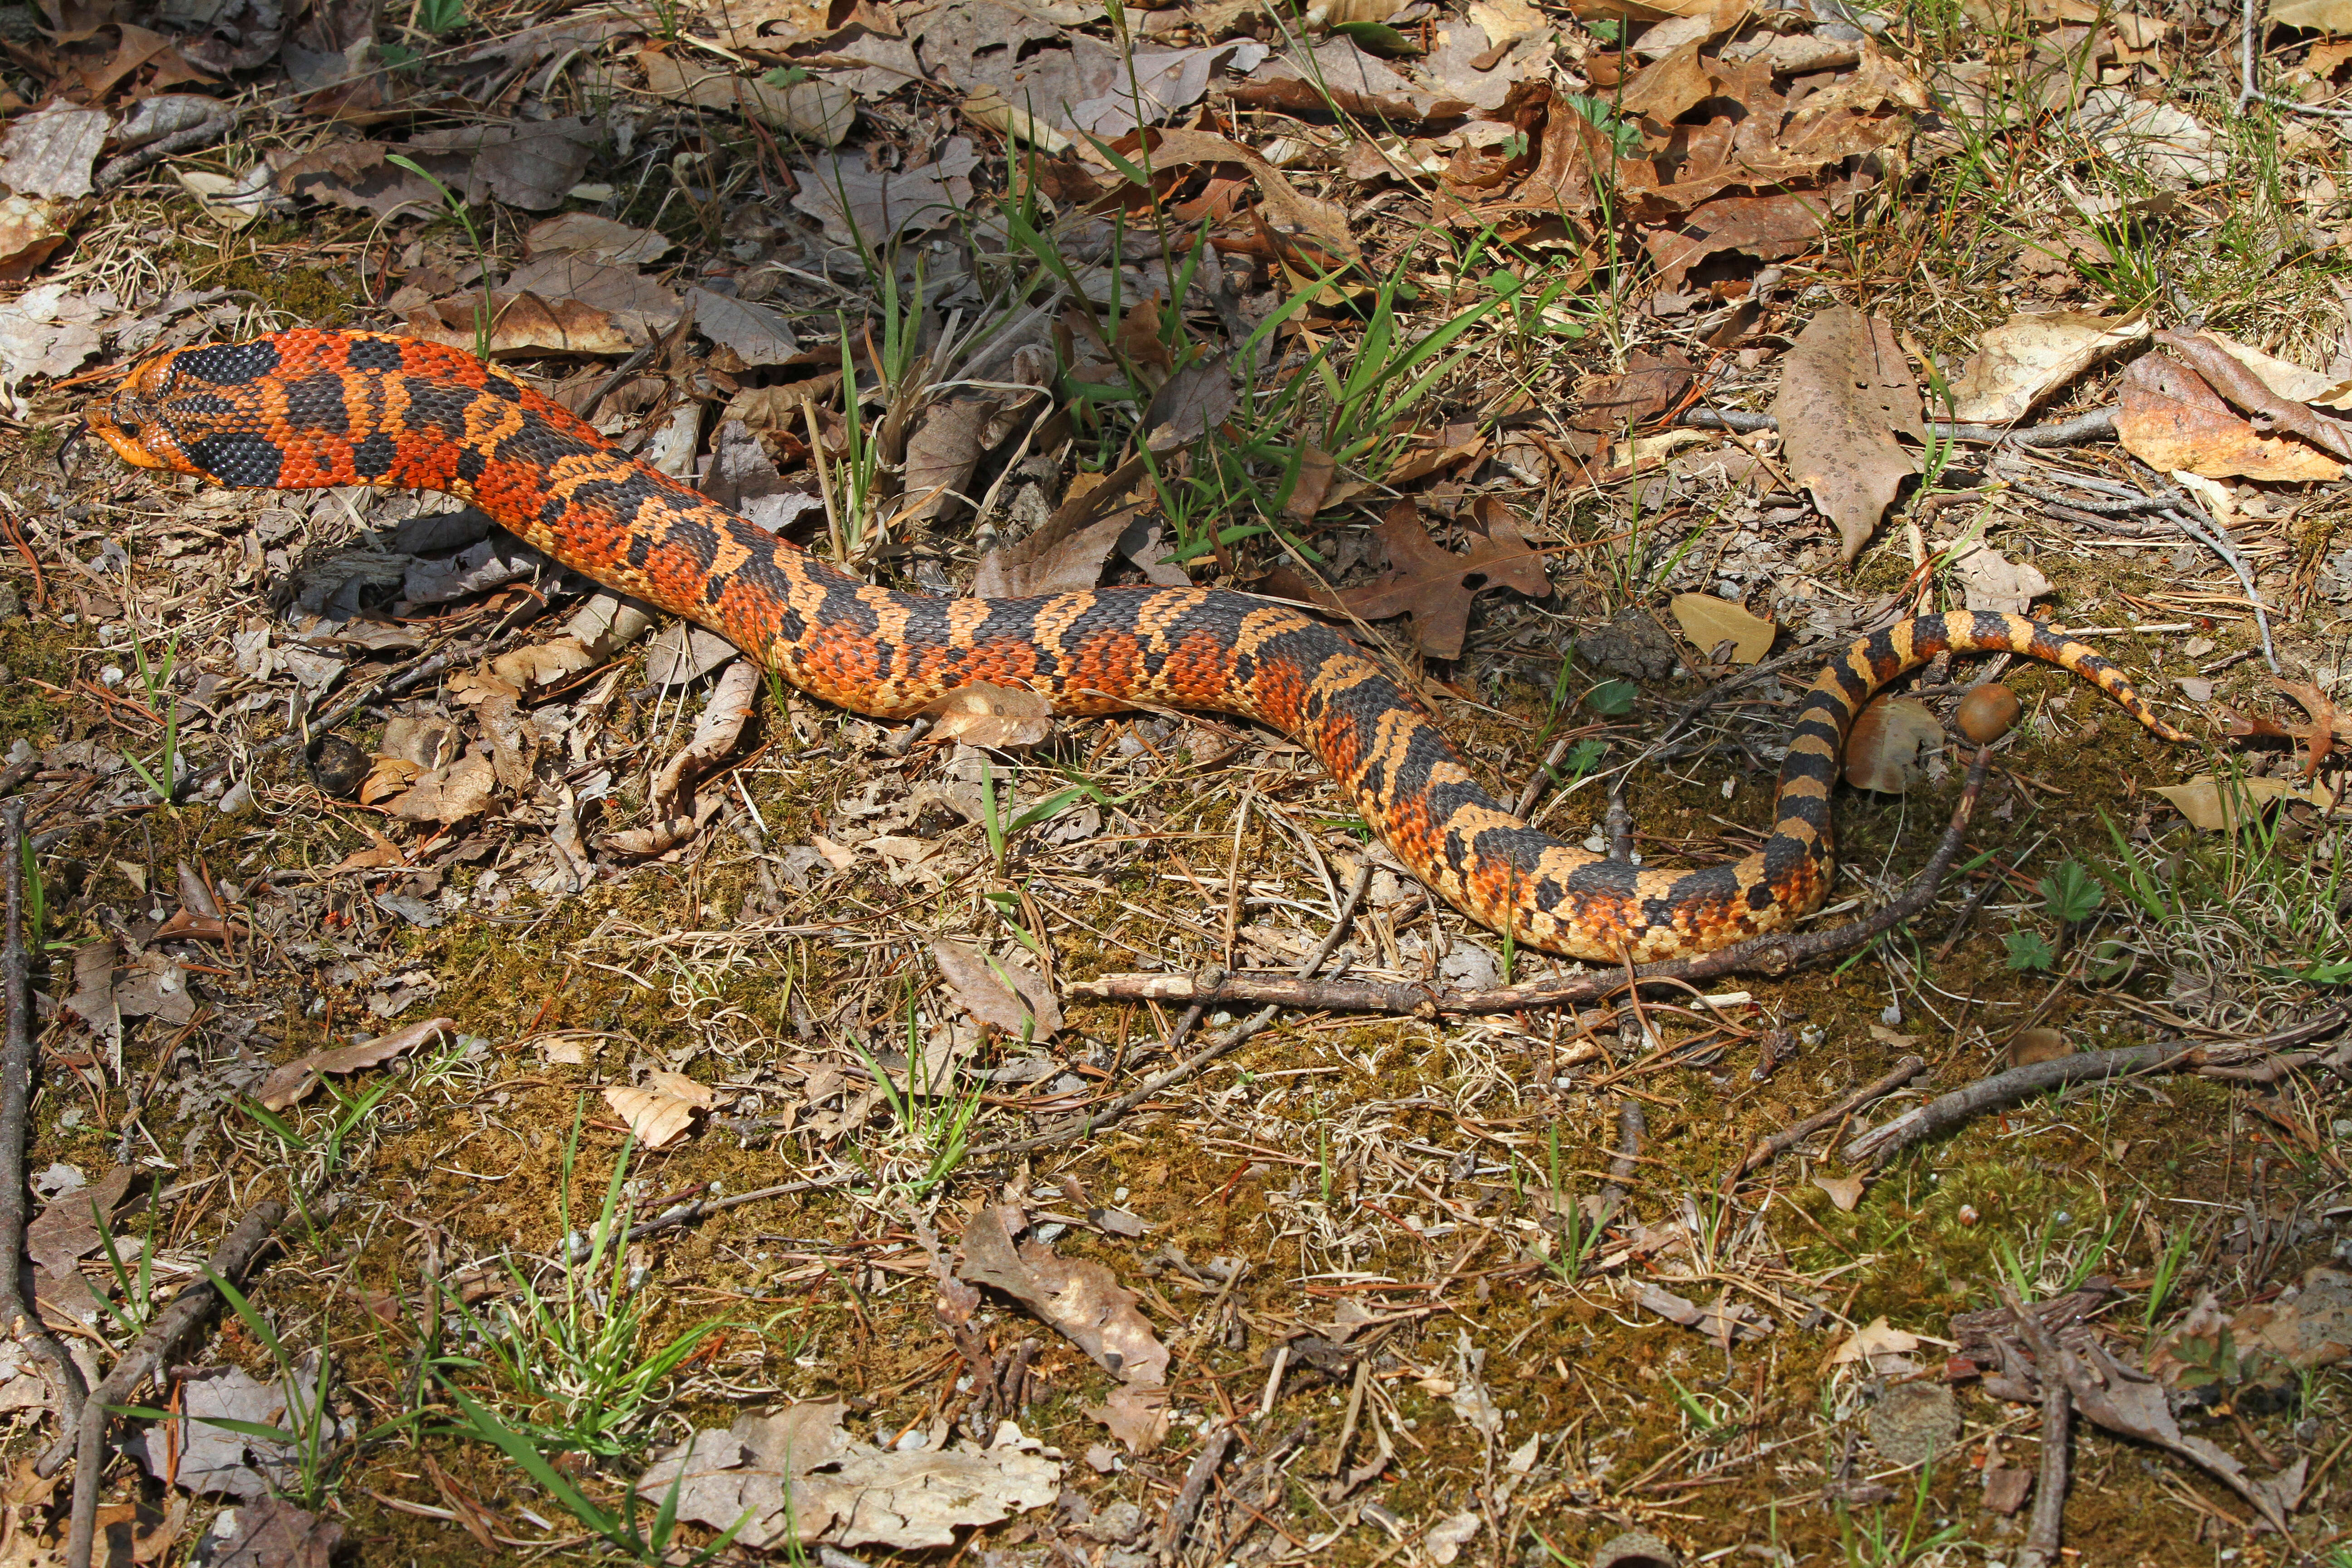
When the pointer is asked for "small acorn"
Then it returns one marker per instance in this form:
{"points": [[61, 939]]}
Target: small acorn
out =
{"points": [[1986, 714]]}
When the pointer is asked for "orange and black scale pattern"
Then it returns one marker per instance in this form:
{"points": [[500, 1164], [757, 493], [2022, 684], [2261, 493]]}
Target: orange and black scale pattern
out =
{"points": [[310, 408]]}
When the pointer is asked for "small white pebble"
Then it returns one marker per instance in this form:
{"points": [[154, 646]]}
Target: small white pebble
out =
{"points": [[111, 675]]}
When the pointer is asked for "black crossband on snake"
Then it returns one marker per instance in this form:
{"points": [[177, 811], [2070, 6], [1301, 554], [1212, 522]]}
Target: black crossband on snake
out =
{"points": [[308, 408]]}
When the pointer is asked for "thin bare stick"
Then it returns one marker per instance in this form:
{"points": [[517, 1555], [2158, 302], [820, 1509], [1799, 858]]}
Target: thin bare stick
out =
{"points": [[1788, 1138], [1196, 1487], [2040, 1549], [187, 1314], [2228, 1060], [16, 1095]]}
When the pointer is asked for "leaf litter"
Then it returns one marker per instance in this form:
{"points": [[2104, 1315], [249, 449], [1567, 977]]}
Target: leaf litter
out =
{"points": [[700, 909]]}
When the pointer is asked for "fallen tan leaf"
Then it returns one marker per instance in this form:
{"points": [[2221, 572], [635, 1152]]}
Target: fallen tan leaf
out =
{"points": [[1079, 1300], [658, 1120], [1991, 581], [1845, 394], [2214, 804], [1006, 994], [50, 152], [1890, 740], [986, 714], [716, 732], [31, 229], [2168, 417], [521, 323], [1845, 1191], [290, 1082], [1710, 622], [821, 111], [1435, 586], [1873, 1339], [2026, 358]]}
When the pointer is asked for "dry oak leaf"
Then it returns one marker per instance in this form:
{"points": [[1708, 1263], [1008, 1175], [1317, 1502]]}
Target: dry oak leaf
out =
{"points": [[2246, 387], [602, 238], [520, 325], [1340, 77], [1991, 581], [1435, 586], [1889, 744], [31, 229], [1281, 202], [1006, 994], [1080, 1301], [859, 204], [1846, 392], [1845, 1191], [2214, 804], [1004, 718], [1648, 387], [50, 152], [716, 732], [1768, 227], [796, 1475], [1710, 622], [821, 111], [658, 1118], [2026, 358], [1873, 1339], [290, 1082], [2169, 418]]}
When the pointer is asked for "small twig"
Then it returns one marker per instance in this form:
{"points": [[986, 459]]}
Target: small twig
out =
{"points": [[2041, 1550], [1626, 1163], [2097, 425], [1774, 955], [186, 1314], [1195, 1488], [15, 1094], [1780, 1143], [577, 1247], [2005, 1089]]}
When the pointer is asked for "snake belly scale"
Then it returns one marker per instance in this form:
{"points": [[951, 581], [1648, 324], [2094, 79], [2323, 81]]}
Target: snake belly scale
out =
{"points": [[309, 408]]}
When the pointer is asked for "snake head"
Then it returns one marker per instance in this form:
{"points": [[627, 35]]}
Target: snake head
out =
{"points": [[201, 410]]}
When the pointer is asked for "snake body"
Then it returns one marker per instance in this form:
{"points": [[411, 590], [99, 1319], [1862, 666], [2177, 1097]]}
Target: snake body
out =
{"points": [[310, 408]]}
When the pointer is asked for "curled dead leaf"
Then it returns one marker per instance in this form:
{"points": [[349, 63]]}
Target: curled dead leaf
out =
{"points": [[290, 1082], [1845, 1191], [1000, 717], [1889, 743]]}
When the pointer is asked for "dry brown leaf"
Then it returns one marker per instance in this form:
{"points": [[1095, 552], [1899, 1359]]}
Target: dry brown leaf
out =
{"points": [[2225, 367], [70, 1227], [716, 732], [860, 205], [1767, 226], [602, 238], [2215, 804], [381, 851], [450, 795], [1891, 740], [1316, 469], [1435, 586], [646, 843], [1845, 394], [658, 1120], [50, 153], [1283, 204], [1079, 1300], [772, 25], [1991, 581], [2169, 418], [1342, 77], [1137, 1417], [985, 714], [752, 333], [529, 163], [637, 304], [677, 1086], [290, 1082], [796, 1476], [821, 111], [1845, 1191], [1006, 994], [31, 229], [522, 324], [2026, 358], [1058, 558], [942, 454], [1710, 622], [1873, 1339], [2031, 1045], [1650, 385]]}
